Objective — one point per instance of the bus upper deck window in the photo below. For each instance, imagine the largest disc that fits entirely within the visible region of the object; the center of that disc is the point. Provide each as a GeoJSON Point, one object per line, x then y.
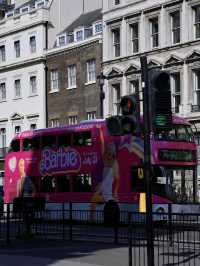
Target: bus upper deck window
{"type": "Point", "coordinates": [82, 138]}
{"type": "Point", "coordinates": [64, 140]}
{"type": "Point", "coordinates": [31, 144]}
{"type": "Point", "coordinates": [49, 141]}
{"type": "Point", "coordinates": [15, 145]}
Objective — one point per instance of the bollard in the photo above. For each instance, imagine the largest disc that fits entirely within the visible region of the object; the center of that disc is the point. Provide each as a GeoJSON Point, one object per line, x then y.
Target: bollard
{"type": "Point", "coordinates": [116, 231]}
{"type": "Point", "coordinates": [8, 225]}
{"type": "Point", "coordinates": [130, 255]}
{"type": "Point", "coordinates": [63, 220]}
{"type": "Point", "coordinates": [70, 220]}
{"type": "Point", "coordinates": [170, 224]}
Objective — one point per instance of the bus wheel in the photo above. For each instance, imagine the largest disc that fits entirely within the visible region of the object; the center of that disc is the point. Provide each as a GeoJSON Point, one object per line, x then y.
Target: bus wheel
{"type": "Point", "coordinates": [111, 213]}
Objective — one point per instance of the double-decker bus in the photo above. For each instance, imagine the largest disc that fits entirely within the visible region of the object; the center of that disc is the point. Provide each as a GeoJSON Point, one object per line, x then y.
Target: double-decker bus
{"type": "Point", "coordinates": [83, 163]}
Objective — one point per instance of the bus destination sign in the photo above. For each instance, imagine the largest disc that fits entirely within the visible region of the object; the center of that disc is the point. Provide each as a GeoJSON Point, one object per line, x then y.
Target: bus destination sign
{"type": "Point", "coordinates": [177, 155]}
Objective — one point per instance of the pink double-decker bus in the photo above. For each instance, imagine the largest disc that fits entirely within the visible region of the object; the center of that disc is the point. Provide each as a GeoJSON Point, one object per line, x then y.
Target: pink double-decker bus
{"type": "Point", "coordinates": [82, 163]}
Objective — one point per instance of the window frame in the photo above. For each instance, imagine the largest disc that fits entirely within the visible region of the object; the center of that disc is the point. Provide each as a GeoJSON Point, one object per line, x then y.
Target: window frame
{"type": "Point", "coordinates": [196, 22]}
{"type": "Point", "coordinates": [91, 70]}
{"type": "Point", "coordinates": [196, 88]}
{"type": "Point", "coordinates": [116, 41]}
{"type": "Point", "coordinates": [2, 92]}
{"type": "Point", "coordinates": [17, 86]}
{"type": "Point", "coordinates": [61, 43]}
{"type": "Point", "coordinates": [134, 39]}
{"type": "Point", "coordinates": [175, 29]}
{"type": "Point", "coordinates": [2, 53]}
{"type": "Point", "coordinates": [3, 137]}
{"type": "Point", "coordinates": [176, 94]}
{"type": "Point", "coordinates": [116, 2]}
{"type": "Point", "coordinates": [72, 119]}
{"type": "Point", "coordinates": [98, 27]}
{"type": "Point", "coordinates": [91, 115]}
{"type": "Point", "coordinates": [71, 76]}
{"type": "Point", "coordinates": [17, 49]}
{"type": "Point", "coordinates": [55, 122]}
{"type": "Point", "coordinates": [16, 129]}
{"type": "Point", "coordinates": [54, 77]}
{"type": "Point", "coordinates": [154, 36]}
{"type": "Point", "coordinates": [81, 37]}
{"type": "Point", "coordinates": [116, 97]}
{"type": "Point", "coordinates": [33, 46]}
{"type": "Point", "coordinates": [32, 92]}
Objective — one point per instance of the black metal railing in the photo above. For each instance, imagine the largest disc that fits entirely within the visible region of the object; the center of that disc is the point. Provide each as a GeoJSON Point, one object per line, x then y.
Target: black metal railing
{"type": "Point", "coordinates": [3, 152]}
{"type": "Point", "coordinates": [176, 235]}
{"type": "Point", "coordinates": [195, 108]}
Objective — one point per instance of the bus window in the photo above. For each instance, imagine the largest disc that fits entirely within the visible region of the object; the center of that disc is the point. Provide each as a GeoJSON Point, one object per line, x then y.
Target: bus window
{"type": "Point", "coordinates": [176, 133]}
{"type": "Point", "coordinates": [82, 183]}
{"type": "Point", "coordinates": [63, 183]}
{"type": "Point", "coordinates": [190, 134]}
{"type": "Point", "coordinates": [82, 138]}
{"type": "Point", "coordinates": [31, 144]}
{"type": "Point", "coordinates": [49, 141]}
{"type": "Point", "coordinates": [64, 140]}
{"type": "Point", "coordinates": [48, 184]}
{"type": "Point", "coordinates": [181, 133]}
{"type": "Point", "coordinates": [15, 146]}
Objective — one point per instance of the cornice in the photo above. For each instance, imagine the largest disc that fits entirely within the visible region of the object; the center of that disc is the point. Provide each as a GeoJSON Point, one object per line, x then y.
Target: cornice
{"type": "Point", "coordinates": [22, 64]}
{"type": "Point", "coordinates": [3, 35]}
{"type": "Point", "coordinates": [74, 46]}
{"type": "Point", "coordinates": [151, 52]}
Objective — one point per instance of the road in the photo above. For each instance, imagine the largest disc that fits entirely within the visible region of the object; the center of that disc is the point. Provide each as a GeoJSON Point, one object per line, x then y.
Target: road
{"type": "Point", "coordinates": [59, 253]}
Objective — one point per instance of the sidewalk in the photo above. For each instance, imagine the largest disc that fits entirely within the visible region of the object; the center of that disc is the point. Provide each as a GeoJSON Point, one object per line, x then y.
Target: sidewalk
{"type": "Point", "coordinates": [59, 253]}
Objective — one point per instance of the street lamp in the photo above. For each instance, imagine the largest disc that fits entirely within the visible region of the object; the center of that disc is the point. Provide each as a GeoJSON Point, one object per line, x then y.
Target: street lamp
{"type": "Point", "coordinates": [101, 78]}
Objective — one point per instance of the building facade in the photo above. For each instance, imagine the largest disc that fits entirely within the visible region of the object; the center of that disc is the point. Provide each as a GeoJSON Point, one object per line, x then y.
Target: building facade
{"type": "Point", "coordinates": [27, 30]}
{"type": "Point", "coordinates": [168, 33]}
{"type": "Point", "coordinates": [22, 72]}
{"type": "Point", "coordinates": [73, 67]}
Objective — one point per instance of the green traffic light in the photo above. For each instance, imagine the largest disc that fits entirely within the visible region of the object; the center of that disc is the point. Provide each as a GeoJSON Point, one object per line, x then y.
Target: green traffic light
{"type": "Point", "coordinates": [161, 120]}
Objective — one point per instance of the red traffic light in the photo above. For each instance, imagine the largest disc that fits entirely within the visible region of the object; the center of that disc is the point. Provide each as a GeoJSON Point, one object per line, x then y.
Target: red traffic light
{"type": "Point", "coordinates": [128, 104]}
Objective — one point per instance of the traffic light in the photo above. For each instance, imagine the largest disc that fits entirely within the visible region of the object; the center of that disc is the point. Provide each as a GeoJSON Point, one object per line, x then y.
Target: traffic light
{"type": "Point", "coordinates": [128, 122]}
{"type": "Point", "coordinates": [160, 99]}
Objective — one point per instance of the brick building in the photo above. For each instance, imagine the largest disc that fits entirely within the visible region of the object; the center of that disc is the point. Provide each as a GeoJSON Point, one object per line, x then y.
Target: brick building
{"type": "Point", "coordinates": [73, 67]}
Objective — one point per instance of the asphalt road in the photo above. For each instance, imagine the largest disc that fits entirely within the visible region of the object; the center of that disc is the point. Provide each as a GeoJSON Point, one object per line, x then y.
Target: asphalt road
{"type": "Point", "coordinates": [59, 253]}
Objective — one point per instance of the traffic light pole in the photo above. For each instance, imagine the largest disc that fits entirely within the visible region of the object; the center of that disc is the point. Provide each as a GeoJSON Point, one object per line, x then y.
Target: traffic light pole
{"type": "Point", "coordinates": [147, 160]}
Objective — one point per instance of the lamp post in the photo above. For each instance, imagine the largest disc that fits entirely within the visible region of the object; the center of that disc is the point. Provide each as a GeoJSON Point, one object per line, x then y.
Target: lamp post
{"type": "Point", "coordinates": [101, 78]}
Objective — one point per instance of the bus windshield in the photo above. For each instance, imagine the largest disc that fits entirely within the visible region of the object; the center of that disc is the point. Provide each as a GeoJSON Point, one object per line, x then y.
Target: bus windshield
{"type": "Point", "coordinates": [178, 132]}
{"type": "Point", "coordinates": [175, 184]}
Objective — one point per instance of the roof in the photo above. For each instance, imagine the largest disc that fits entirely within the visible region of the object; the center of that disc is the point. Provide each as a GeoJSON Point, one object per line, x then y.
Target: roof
{"type": "Point", "coordinates": [85, 19]}
{"type": "Point", "coordinates": [28, 2]}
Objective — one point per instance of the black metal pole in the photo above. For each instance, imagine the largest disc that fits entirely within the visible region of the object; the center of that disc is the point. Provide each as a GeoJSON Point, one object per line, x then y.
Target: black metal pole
{"type": "Point", "coordinates": [46, 75]}
{"type": "Point", "coordinates": [102, 97]}
{"type": "Point", "coordinates": [147, 159]}
{"type": "Point", "coordinates": [130, 255]}
{"type": "Point", "coordinates": [195, 199]}
{"type": "Point", "coordinates": [46, 94]}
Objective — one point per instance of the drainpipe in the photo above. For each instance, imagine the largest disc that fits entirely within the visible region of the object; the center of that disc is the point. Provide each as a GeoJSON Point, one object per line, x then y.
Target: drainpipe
{"type": "Point", "coordinates": [46, 75]}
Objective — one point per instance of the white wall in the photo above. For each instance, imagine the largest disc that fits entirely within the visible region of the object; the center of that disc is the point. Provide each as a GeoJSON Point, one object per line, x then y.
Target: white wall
{"type": "Point", "coordinates": [26, 105]}
{"type": "Point", "coordinates": [25, 52]}
{"type": "Point", "coordinates": [64, 12]}
{"type": "Point", "coordinates": [31, 108]}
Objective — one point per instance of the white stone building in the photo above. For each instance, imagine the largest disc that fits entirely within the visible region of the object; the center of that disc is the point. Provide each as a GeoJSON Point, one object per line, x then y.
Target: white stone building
{"type": "Point", "coordinates": [168, 33]}
{"type": "Point", "coordinates": [22, 71]}
{"type": "Point", "coordinates": [26, 33]}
